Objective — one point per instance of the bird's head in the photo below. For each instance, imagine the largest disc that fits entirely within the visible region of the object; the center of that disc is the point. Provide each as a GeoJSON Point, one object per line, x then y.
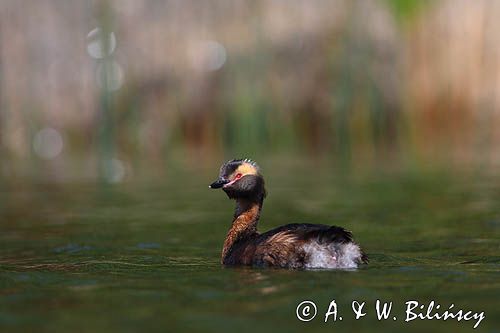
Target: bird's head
{"type": "Point", "coordinates": [241, 178]}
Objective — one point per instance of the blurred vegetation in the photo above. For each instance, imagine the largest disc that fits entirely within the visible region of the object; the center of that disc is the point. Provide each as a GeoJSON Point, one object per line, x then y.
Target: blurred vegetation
{"type": "Point", "coordinates": [124, 89]}
{"type": "Point", "coordinates": [406, 9]}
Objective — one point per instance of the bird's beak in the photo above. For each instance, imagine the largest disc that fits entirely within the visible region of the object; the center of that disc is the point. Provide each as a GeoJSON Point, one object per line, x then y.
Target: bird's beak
{"type": "Point", "coordinates": [218, 183]}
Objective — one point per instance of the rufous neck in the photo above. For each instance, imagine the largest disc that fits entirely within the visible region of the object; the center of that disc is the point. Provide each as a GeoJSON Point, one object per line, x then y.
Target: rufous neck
{"type": "Point", "coordinates": [246, 217]}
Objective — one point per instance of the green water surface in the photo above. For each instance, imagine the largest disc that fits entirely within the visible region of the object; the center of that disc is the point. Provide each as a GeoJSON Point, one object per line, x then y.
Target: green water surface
{"type": "Point", "coordinates": [83, 257]}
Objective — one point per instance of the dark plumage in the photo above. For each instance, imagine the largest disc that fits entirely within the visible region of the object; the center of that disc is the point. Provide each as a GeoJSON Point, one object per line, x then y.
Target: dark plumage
{"type": "Point", "coordinates": [289, 246]}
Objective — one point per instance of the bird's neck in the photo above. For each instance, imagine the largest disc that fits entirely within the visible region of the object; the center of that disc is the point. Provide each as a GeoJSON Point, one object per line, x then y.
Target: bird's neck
{"type": "Point", "coordinates": [246, 217]}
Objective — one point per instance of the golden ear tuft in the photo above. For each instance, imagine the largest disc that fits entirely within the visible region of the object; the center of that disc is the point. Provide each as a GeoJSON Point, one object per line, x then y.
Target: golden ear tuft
{"type": "Point", "coordinates": [248, 167]}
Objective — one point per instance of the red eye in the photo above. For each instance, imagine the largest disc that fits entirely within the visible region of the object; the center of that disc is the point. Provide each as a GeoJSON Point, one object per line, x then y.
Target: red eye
{"type": "Point", "coordinates": [238, 176]}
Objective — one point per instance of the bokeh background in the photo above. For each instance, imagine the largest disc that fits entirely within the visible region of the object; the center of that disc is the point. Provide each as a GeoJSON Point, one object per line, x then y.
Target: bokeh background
{"type": "Point", "coordinates": [121, 90]}
{"type": "Point", "coordinates": [379, 116]}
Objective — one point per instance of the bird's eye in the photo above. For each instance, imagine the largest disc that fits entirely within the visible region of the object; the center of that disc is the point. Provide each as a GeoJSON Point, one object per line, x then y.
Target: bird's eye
{"type": "Point", "coordinates": [238, 176]}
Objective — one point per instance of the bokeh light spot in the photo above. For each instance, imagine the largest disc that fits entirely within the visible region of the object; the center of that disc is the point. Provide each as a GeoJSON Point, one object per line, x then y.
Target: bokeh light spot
{"type": "Point", "coordinates": [208, 55]}
{"type": "Point", "coordinates": [98, 46]}
{"type": "Point", "coordinates": [48, 143]}
{"type": "Point", "coordinates": [110, 76]}
{"type": "Point", "coordinates": [114, 170]}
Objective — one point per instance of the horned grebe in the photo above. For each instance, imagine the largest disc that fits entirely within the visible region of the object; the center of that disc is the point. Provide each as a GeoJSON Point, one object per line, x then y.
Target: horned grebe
{"type": "Point", "coordinates": [290, 246]}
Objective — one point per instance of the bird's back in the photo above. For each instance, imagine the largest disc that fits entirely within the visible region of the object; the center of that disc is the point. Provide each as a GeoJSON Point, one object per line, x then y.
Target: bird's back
{"type": "Point", "coordinates": [300, 246]}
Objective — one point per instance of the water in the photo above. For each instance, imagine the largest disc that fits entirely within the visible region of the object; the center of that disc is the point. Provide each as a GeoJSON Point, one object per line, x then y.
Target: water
{"type": "Point", "coordinates": [130, 257]}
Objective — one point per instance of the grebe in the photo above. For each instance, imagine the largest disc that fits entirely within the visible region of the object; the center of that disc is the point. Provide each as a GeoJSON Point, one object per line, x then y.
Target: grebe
{"type": "Point", "coordinates": [290, 246]}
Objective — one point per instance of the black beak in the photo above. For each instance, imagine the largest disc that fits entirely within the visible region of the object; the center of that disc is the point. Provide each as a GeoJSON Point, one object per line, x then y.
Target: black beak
{"type": "Point", "coordinates": [218, 183]}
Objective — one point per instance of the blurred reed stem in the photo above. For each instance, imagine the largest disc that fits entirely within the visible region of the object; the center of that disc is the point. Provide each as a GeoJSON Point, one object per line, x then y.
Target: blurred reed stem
{"type": "Point", "coordinates": [105, 120]}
